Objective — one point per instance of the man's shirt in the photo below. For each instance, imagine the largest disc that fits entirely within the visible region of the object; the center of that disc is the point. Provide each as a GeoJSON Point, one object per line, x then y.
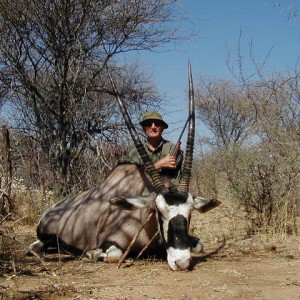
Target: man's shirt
{"type": "Point", "coordinates": [164, 149]}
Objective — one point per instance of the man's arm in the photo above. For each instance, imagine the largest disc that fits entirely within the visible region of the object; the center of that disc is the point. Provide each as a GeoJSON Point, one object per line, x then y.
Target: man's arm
{"type": "Point", "coordinates": [169, 161]}
{"type": "Point", "coordinates": [134, 157]}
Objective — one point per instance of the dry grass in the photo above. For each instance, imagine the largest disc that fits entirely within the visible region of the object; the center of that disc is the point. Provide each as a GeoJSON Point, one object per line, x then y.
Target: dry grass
{"type": "Point", "coordinates": [30, 203]}
{"type": "Point", "coordinates": [227, 223]}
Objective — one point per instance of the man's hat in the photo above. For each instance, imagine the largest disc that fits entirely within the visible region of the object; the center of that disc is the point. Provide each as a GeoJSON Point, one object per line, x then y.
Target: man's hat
{"type": "Point", "coordinates": [153, 115]}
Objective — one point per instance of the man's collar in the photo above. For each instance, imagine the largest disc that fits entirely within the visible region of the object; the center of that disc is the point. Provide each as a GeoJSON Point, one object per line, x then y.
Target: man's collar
{"type": "Point", "coordinates": [159, 145]}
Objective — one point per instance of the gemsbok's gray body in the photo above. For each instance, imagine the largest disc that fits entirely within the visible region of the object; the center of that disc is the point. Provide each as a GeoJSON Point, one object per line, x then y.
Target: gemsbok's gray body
{"type": "Point", "coordinates": [84, 222]}
{"type": "Point", "coordinates": [103, 221]}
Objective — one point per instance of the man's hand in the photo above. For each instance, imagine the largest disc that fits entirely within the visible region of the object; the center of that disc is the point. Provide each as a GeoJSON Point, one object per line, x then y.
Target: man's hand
{"type": "Point", "coordinates": [167, 162]}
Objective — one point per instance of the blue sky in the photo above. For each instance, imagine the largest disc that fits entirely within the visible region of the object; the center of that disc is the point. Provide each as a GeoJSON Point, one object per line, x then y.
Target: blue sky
{"type": "Point", "coordinates": [268, 24]}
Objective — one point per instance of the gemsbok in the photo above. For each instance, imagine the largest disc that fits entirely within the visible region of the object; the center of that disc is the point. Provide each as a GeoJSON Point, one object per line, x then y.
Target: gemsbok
{"type": "Point", "coordinates": [103, 221]}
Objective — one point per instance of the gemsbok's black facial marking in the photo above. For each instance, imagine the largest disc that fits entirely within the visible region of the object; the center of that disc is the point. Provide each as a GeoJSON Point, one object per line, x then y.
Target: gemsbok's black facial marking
{"type": "Point", "coordinates": [174, 197]}
{"type": "Point", "coordinates": [161, 226]}
{"type": "Point", "coordinates": [178, 237]}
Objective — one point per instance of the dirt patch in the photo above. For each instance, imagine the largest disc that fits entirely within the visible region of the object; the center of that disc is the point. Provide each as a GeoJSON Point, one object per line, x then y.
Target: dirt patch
{"type": "Point", "coordinates": [244, 277]}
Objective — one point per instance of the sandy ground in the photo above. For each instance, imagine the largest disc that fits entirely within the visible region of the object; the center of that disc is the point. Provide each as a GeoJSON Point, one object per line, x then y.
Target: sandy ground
{"type": "Point", "coordinates": [224, 273]}
{"type": "Point", "coordinates": [244, 267]}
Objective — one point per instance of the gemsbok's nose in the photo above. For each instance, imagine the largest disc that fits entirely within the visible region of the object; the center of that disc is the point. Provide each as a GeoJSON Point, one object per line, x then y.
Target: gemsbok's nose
{"type": "Point", "coordinates": [183, 264]}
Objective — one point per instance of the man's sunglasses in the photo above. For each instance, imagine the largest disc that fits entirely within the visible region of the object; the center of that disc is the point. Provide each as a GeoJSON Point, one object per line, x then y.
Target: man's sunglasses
{"type": "Point", "coordinates": [156, 123]}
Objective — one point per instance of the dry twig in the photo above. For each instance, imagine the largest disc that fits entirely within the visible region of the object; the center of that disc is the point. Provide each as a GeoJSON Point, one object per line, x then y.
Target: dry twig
{"type": "Point", "coordinates": [148, 244]}
{"type": "Point", "coordinates": [12, 237]}
{"type": "Point", "coordinates": [122, 258]}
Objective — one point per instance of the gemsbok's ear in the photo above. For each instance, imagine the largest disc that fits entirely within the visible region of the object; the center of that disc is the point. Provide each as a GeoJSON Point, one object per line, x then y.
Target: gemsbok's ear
{"type": "Point", "coordinates": [132, 203]}
{"type": "Point", "coordinates": [204, 205]}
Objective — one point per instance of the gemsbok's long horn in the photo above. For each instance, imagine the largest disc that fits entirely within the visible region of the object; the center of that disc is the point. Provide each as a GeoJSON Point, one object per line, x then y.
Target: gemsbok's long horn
{"type": "Point", "coordinates": [154, 175]}
{"type": "Point", "coordinates": [188, 161]}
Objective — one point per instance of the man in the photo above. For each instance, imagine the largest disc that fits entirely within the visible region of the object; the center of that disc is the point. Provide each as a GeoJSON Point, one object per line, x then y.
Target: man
{"type": "Point", "coordinates": [157, 148]}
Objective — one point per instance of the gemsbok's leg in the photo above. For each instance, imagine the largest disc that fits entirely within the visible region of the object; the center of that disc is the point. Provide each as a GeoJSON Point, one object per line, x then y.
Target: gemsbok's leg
{"type": "Point", "coordinates": [36, 246]}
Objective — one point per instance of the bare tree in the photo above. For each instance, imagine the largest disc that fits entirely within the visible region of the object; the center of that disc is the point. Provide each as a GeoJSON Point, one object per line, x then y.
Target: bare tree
{"type": "Point", "coordinates": [278, 102]}
{"type": "Point", "coordinates": [225, 109]}
{"type": "Point", "coordinates": [53, 56]}
{"type": "Point", "coordinates": [262, 176]}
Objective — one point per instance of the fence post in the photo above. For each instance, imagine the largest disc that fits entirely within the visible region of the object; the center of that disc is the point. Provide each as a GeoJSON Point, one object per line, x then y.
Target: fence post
{"type": "Point", "coordinates": [7, 170]}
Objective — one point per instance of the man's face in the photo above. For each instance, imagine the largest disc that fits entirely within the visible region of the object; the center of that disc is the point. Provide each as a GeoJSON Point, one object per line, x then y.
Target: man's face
{"type": "Point", "coordinates": [153, 128]}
